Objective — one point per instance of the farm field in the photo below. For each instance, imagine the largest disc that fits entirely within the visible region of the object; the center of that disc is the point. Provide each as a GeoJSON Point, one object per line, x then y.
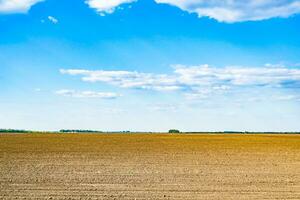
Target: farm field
{"type": "Point", "coordinates": [149, 166]}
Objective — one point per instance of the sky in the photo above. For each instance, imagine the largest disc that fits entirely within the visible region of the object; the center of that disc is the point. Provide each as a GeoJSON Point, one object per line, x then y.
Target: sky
{"type": "Point", "coordinates": [150, 65]}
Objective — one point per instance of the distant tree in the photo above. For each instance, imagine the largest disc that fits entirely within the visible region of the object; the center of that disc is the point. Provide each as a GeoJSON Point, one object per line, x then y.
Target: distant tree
{"type": "Point", "coordinates": [78, 131]}
{"type": "Point", "coordinates": [13, 131]}
{"type": "Point", "coordinates": [174, 131]}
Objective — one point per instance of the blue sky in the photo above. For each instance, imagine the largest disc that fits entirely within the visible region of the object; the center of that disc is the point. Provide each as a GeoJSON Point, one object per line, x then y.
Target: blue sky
{"type": "Point", "coordinates": [150, 65]}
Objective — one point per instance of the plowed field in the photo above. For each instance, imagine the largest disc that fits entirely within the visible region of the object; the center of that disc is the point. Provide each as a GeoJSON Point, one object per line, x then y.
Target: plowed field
{"type": "Point", "coordinates": [145, 166]}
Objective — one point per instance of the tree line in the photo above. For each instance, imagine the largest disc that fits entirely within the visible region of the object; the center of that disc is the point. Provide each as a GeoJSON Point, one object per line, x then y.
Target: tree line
{"type": "Point", "coordinates": [78, 131]}
{"type": "Point", "coordinates": [14, 131]}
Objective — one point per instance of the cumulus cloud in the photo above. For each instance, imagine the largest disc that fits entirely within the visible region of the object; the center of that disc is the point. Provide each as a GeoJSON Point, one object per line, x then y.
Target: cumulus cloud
{"type": "Point", "coordinates": [183, 76]}
{"type": "Point", "coordinates": [106, 6]}
{"type": "Point", "coordinates": [238, 76]}
{"type": "Point", "coordinates": [52, 19]}
{"type": "Point", "coordinates": [87, 94]}
{"type": "Point", "coordinates": [237, 10]}
{"type": "Point", "coordinates": [128, 79]}
{"type": "Point", "coordinates": [197, 82]}
{"type": "Point", "coordinates": [229, 11]}
{"type": "Point", "coordinates": [16, 6]}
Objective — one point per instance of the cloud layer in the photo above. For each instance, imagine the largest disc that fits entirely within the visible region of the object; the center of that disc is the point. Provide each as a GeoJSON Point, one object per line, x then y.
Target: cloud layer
{"type": "Point", "coordinates": [128, 79]}
{"type": "Point", "coordinates": [16, 6]}
{"type": "Point", "coordinates": [87, 94]}
{"type": "Point", "coordinates": [237, 10]}
{"type": "Point", "coordinates": [222, 10]}
{"type": "Point", "coordinates": [229, 11]}
{"type": "Point", "coordinates": [195, 81]}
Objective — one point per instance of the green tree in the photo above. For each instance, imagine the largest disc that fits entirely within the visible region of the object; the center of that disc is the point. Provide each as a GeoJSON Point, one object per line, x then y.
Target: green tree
{"type": "Point", "coordinates": [174, 131]}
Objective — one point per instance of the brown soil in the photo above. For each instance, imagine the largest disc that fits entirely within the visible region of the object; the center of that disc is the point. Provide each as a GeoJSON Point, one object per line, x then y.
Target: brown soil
{"type": "Point", "coordinates": [141, 166]}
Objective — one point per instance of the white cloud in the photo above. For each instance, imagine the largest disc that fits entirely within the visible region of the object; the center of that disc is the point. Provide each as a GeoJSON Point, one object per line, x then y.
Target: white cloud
{"type": "Point", "coordinates": [106, 6]}
{"type": "Point", "coordinates": [222, 10]}
{"type": "Point", "coordinates": [197, 82]}
{"type": "Point", "coordinates": [128, 79]}
{"type": "Point", "coordinates": [16, 6]}
{"type": "Point", "coordinates": [87, 94]}
{"type": "Point", "coordinates": [52, 19]}
{"type": "Point", "coordinates": [238, 76]}
{"type": "Point", "coordinates": [238, 10]}
{"type": "Point", "coordinates": [203, 75]}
